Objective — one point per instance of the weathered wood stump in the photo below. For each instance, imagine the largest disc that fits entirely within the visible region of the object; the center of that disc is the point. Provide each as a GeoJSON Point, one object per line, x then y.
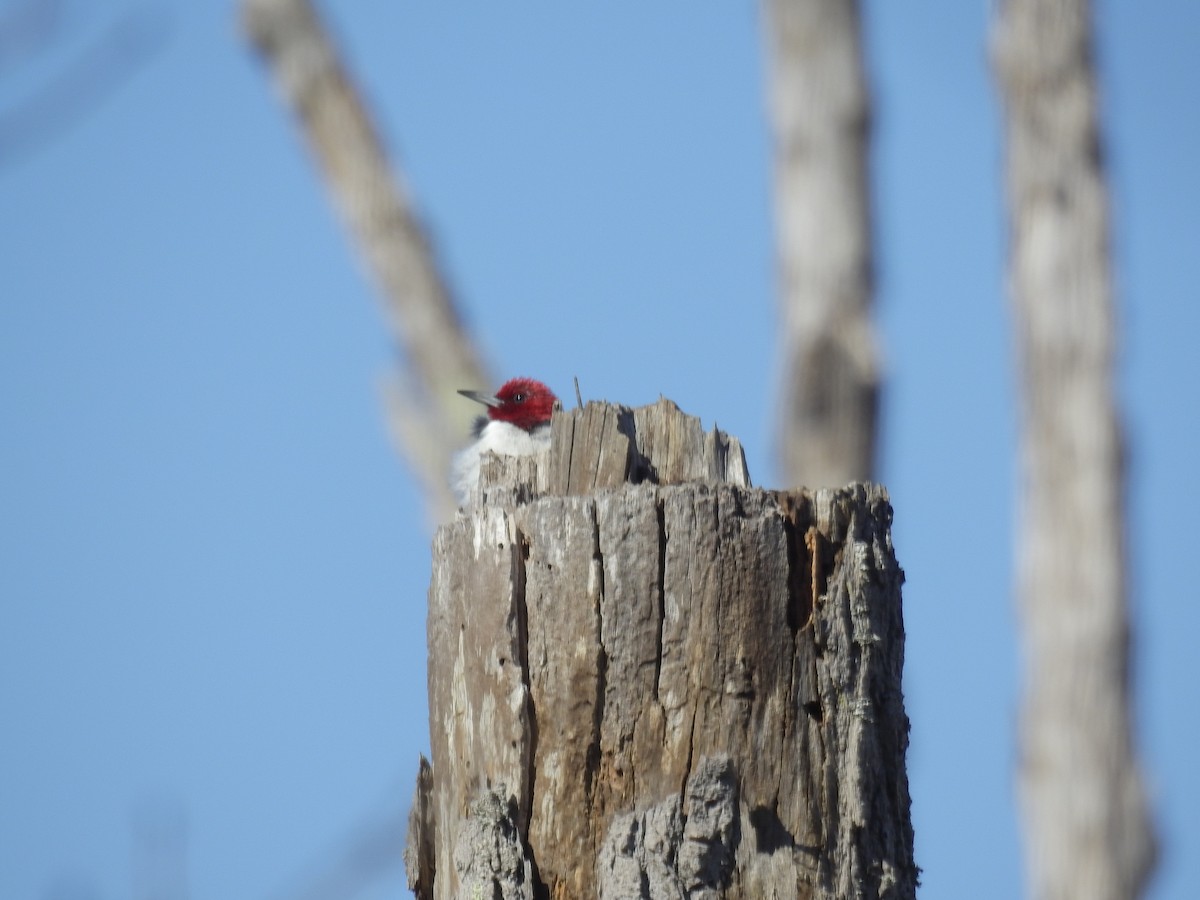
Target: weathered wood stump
{"type": "Point", "coordinates": [648, 679]}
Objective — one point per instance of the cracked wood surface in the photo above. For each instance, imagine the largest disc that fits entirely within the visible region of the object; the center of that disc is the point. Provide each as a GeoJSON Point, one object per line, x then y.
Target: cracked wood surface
{"type": "Point", "coordinates": [687, 689]}
{"type": "Point", "coordinates": [605, 445]}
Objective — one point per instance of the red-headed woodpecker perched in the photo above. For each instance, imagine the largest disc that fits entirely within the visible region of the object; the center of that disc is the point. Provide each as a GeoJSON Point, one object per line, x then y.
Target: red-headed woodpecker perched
{"type": "Point", "coordinates": [517, 424]}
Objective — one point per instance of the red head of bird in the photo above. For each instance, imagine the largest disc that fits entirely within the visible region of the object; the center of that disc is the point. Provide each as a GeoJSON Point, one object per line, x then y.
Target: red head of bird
{"type": "Point", "coordinates": [523, 402]}
{"type": "Point", "coordinates": [517, 424]}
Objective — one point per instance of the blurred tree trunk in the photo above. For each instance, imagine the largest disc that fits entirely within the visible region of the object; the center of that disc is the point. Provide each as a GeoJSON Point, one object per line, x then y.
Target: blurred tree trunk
{"type": "Point", "coordinates": [820, 116]}
{"type": "Point", "coordinates": [648, 686]}
{"type": "Point", "coordinates": [437, 353]}
{"type": "Point", "coordinates": [1087, 826]}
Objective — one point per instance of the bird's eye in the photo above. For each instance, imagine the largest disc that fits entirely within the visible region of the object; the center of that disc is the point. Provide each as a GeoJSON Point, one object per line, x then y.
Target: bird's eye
{"type": "Point", "coordinates": [518, 398]}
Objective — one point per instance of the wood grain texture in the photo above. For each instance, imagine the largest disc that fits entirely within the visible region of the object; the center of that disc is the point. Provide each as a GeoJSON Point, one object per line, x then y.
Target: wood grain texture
{"type": "Point", "coordinates": [691, 689]}
{"type": "Point", "coordinates": [606, 445]}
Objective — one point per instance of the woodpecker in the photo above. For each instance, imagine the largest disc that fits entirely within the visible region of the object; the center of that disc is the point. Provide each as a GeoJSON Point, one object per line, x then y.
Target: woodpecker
{"type": "Point", "coordinates": [517, 424]}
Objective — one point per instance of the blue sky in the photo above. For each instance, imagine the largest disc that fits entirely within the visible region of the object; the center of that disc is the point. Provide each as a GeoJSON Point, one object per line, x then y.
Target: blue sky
{"type": "Point", "coordinates": [212, 564]}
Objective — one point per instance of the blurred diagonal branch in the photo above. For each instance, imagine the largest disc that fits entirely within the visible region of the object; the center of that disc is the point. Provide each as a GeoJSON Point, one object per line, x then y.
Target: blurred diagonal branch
{"type": "Point", "coordinates": [27, 27]}
{"type": "Point", "coordinates": [438, 355]}
{"type": "Point", "coordinates": [820, 115]}
{"type": "Point", "coordinates": [92, 74]}
{"type": "Point", "coordinates": [1087, 821]}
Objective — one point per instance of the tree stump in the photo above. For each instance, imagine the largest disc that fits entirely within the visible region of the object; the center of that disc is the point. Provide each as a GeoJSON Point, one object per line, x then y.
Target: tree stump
{"type": "Point", "coordinates": [648, 679]}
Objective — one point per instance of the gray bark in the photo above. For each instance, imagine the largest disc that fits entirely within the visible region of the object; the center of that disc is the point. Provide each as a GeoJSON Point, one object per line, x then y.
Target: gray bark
{"type": "Point", "coordinates": [820, 118]}
{"type": "Point", "coordinates": [489, 855]}
{"type": "Point", "coordinates": [683, 686]}
{"type": "Point", "coordinates": [440, 357]}
{"type": "Point", "coordinates": [1087, 823]}
{"type": "Point", "coordinates": [679, 848]}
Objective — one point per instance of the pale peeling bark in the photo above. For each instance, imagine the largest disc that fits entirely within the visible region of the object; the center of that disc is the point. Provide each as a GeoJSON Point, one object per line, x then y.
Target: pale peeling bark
{"type": "Point", "coordinates": [829, 362]}
{"type": "Point", "coordinates": [1087, 824]}
{"type": "Point", "coordinates": [683, 690]}
{"type": "Point", "coordinates": [426, 415]}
